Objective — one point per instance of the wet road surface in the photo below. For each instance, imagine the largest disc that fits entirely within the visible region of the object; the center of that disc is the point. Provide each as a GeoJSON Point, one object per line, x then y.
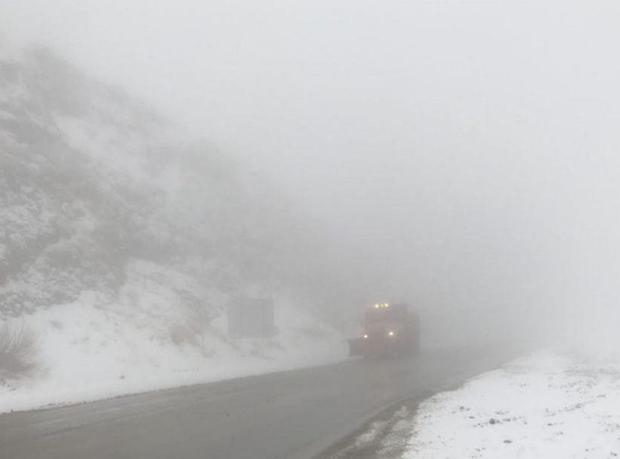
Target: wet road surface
{"type": "Point", "coordinates": [289, 415]}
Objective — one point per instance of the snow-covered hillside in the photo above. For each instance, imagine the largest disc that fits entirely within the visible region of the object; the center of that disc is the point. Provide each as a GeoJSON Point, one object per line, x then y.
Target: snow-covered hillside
{"type": "Point", "coordinates": [121, 246]}
{"type": "Point", "coordinates": [90, 349]}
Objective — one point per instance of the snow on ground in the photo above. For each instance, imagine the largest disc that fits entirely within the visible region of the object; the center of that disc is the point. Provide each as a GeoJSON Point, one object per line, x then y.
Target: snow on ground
{"type": "Point", "coordinates": [544, 406]}
{"type": "Point", "coordinates": [91, 349]}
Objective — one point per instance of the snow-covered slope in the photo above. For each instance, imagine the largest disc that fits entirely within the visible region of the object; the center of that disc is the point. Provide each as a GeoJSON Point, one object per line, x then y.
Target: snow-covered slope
{"type": "Point", "coordinates": [89, 350]}
{"type": "Point", "coordinates": [546, 405]}
{"type": "Point", "coordinates": [121, 246]}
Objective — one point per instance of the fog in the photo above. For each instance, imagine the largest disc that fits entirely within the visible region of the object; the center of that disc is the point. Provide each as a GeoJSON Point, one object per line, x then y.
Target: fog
{"type": "Point", "coordinates": [464, 154]}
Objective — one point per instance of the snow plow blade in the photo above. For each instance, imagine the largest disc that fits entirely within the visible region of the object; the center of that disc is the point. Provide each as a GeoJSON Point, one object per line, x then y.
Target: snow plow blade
{"type": "Point", "coordinates": [356, 347]}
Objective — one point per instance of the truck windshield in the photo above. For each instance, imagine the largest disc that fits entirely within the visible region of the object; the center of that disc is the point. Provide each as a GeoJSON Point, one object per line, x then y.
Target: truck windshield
{"type": "Point", "coordinates": [396, 312]}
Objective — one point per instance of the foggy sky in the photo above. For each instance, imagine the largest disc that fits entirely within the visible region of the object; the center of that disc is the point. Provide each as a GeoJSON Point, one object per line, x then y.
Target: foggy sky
{"type": "Point", "coordinates": [468, 148]}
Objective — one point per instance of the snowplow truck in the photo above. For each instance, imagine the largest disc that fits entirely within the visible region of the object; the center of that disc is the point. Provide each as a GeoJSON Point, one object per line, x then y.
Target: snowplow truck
{"type": "Point", "coordinates": [387, 330]}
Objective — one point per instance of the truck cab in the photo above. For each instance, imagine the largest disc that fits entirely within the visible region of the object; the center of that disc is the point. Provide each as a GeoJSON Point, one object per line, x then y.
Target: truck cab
{"type": "Point", "coordinates": [387, 329]}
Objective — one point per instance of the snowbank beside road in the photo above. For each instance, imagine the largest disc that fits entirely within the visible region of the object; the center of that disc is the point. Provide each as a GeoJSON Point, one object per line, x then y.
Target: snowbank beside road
{"type": "Point", "coordinates": [542, 406]}
{"type": "Point", "coordinates": [87, 350]}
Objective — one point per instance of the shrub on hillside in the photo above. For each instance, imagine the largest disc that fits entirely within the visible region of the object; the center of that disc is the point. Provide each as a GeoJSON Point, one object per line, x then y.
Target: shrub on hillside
{"type": "Point", "coordinates": [17, 349]}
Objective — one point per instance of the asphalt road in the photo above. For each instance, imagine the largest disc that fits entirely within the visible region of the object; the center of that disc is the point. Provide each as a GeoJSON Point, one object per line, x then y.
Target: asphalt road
{"type": "Point", "coordinates": [288, 415]}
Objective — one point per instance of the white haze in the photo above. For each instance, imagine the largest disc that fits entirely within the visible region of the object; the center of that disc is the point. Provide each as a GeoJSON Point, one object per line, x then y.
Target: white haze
{"type": "Point", "coordinates": [468, 150]}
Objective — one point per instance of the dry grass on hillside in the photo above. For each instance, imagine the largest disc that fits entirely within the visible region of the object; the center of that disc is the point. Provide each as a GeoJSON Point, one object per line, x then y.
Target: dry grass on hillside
{"type": "Point", "coordinates": [17, 349]}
